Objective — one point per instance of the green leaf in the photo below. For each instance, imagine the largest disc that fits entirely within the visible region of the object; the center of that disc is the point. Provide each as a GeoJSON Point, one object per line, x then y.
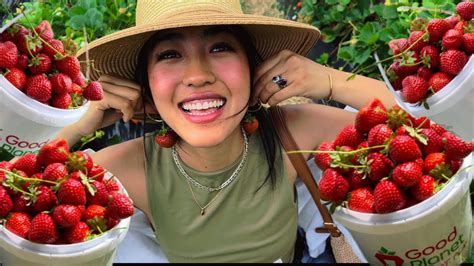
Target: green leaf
{"type": "Point", "coordinates": [76, 10]}
{"type": "Point", "coordinates": [346, 53]}
{"type": "Point", "coordinates": [94, 18]}
{"type": "Point", "coordinates": [369, 34]}
{"type": "Point", "coordinates": [331, 2]}
{"type": "Point", "coordinates": [78, 22]}
{"type": "Point", "coordinates": [390, 12]}
{"type": "Point", "coordinates": [363, 55]}
{"type": "Point", "coordinates": [345, 2]}
{"type": "Point", "coordinates": [323, 59]}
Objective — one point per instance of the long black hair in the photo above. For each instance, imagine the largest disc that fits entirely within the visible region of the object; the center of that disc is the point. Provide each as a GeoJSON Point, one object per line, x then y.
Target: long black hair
{"type": "Point", "coordinates": [266, 128]}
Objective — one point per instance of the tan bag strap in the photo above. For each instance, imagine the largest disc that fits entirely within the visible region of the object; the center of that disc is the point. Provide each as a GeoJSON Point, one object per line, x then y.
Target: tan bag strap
{"type": "Point", "coordinates": [303, 170]}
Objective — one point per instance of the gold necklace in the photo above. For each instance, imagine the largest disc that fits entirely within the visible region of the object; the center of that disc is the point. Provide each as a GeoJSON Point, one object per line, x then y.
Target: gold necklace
{"type": "Point", "coordinates": [203, 209]}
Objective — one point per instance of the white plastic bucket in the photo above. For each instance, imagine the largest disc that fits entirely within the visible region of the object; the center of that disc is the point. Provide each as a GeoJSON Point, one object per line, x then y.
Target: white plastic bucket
{"type": "Point", "coordinates": [26, 124]}
{"type": "Point", "coordinates": [436, 231]}
{"type": "Point", "coordinates": [452, 107]}
{"type": "Point", "coordinates": [17, 251]}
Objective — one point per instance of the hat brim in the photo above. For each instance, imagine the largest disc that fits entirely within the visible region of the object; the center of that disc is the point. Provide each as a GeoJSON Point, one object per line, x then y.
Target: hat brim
{"type": "Point", "coordinates": [117, 53]}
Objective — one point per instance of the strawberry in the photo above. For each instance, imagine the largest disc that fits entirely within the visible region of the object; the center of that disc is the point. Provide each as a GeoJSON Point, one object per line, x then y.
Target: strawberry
{"type": "Point", "coordinates": [397, 117]}
{"type": "Point", "coordinates": [166, 139]}
{"type": "Point", "coordinates": [456, 148]}
{"type": "Point", "coordinates": [19, 224]}
{"type": "Point", "coordinates": [28, 43]}
{"type": "Point", "coordinates": [97, 173]}
{"type": "Point", "coordinates": [388, 197]}
{"type": "Point", "coordinates": [379, 166]}
{"type": "Point", "coordinates": [21, 204]}
{"type": "Point", "coordinates": [17, 78]}
{"type": "Point", "coordinates": [418, 37]}
{"type": "Point", "coordinates": [22, 62]}
{"type": "Point", "coordinates": [94, 92]}
{"type": "Point", "coordinates": [468, 42]}
{"type": "Point", "coordinates": [8, 55]}
{"type": "Point", "coordinates": [43, 229]}
{"type": "Point", "coordinates": [5, 166]}
{"type": "Point", "coordinates": [420, 122]}
{"type": "Point", "coordinates": [45, 199]}
{"type": "Point", "coordinates": [72, 192]}
{"type": "Point", "coordinates": [437, 128]}
{"type": "Point", "coordinates": [39, 88]}
{"type": "Point", "coordinates": [452, 39]}
{"type": "Point", "coordinates": [323, 160]}
{"type": "Point", "coordinates": [101, 195]}
{"type": "Point", "coordinates": [333, 186]}
{"type": "Point", "coordinates": [403, 149]}
{"type": "Point", "coordinates": [55, 172]}
{"type": "Point", "coordinates": [61, 83]}
{"type": "Point", "coordinates": [112, 186]}
{"type": "Point", "coordinates": [53, 48]}
{"type": "Point", "coordinates": [379, 134]}
{"type": "Point", "coordinates": [424, 72]}
{"type": "Point", "coordinates": [27, 163]}
{"type": "Point", "coordinates": [6, 204]}
{"type": "Point", "coordinates": [439, 80]}
{"type": "Point", "coordinates": [452, 20]}
{"type": "Point", "coordinates": [409, 63]}
{"type": "Point", "coordinates": [120, 206]}
{"type": "Point", "coordinates": [68, 65]}
{"type": "Point", "coordinates": [56, 151]}
{"type": "Point", "coordinates": [79, 161]}
{"type": "Point", "coordinates": [436, 29]}
{"type": "Point", "coordinates": [94, 211]}
{"type": "Point", "coordinates": [454, 165]}
{"type": "Point", "coordinates": [362, 200]}
{"type": "Point", "coordinates": [414, 89]}
{"type": "Point", "coordinates": [39, 64]}
{"type": "Point", "coordinates": [370, 115]}
{"type": "Point", "coordinates": [348, 136]}
{"type": "Point", "coordinates": [78, 233]}
{"type": "Point", "coordinates": [424, 189]}
{"type": "Point", "coordinates": [398, 45]}
{"type": "Point", "coordinates": [67, 215]}
{"type": "Point", "coordinates": [465, 10]}
{"type": "Point", "coordinates": [452, 62]}
{"type": "Point", "coordinates": [460, 26]}
{"type": "Point", "coordinates": [434, 142]}
{"type": "Point", "coordinates": [357, 180]}
{"type": "Point", "coordinates": [250, 123]}
{"type": "Point", "coordinates": [407, 174]}
{"type": "Point", "coordinates": [433, 160]}
{"type": "Point", "coordinates": [44, 30]}
{"type": "Point", "coordinates": [80, 80]}
{"type": "Point", "coordinates": [61, 101]}
{"type": "Point", "coordinates": [430, 56]}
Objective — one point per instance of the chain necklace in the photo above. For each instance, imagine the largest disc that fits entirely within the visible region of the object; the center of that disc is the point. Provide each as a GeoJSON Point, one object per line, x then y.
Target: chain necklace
{"type": "Point", "coordinates": [203, 208]}
{"type": "Point", "coordinates": [223, 185]}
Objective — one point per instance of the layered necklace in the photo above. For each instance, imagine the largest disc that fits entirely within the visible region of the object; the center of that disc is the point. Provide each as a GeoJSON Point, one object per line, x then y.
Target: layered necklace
{"type": "Point", "coordinates": [192, 181]}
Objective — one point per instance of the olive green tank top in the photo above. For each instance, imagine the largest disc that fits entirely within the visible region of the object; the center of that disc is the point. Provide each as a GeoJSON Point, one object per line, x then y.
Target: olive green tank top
{"type": "Point", "coordinates": [240, 225]}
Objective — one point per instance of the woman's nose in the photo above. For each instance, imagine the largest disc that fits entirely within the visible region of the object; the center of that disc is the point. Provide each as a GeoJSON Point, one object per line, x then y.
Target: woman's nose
{"type": "Point", "coordinates": [198, 73]}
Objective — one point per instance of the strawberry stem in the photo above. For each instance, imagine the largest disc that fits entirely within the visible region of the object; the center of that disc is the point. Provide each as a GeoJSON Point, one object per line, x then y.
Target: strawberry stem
{"type": "Point", "coordinates": [338, 152]}
{"type": "Point", "coordinates": [28, 178]}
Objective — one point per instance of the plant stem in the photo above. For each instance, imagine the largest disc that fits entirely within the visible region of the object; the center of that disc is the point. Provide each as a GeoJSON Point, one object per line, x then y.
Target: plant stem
{"type": "Point", "coordinates": [338, 152]}
{"type": "Point", "coordinates": [28, 178]}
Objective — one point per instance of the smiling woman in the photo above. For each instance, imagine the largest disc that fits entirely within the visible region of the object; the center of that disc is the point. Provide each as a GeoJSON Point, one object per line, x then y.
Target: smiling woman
{"type": "Point", "coordinates": [219, 194]}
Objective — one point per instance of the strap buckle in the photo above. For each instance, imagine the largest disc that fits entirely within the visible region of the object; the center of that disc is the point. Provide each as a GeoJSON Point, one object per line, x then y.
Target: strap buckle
{"type": "Point", "coordinates": [329, 228]}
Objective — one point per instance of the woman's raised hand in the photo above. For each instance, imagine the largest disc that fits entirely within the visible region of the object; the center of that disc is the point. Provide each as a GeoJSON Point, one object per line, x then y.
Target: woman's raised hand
{"type": "Point", "coordinates": [303, 76]}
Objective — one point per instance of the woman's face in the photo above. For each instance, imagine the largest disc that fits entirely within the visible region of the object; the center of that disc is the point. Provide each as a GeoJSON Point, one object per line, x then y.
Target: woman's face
{"type": "Point", "coordinates": [199, 79]}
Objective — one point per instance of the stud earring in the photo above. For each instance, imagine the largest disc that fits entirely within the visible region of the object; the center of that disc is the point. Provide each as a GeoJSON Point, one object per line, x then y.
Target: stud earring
{"type": "Point", "coordinates": [165, 137]}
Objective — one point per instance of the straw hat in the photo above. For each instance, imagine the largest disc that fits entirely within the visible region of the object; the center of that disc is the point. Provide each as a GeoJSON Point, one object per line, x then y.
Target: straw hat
{"type": "Point", "coordinates": [117, 52]}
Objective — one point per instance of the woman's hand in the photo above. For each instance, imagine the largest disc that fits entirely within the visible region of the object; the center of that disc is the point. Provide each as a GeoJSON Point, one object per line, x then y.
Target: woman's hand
{"type": "Point", "coordinates": [304, 78]}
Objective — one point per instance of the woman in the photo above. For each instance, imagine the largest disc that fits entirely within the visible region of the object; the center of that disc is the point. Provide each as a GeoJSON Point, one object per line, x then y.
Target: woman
{"type": "Point", "coordinates": [218, 194]}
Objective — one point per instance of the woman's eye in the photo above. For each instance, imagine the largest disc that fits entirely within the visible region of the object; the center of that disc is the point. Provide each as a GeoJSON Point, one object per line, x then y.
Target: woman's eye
{"type": "Point", "coordinates": [167, 55]}
{"type": "Point", "coordinates": [221, 47]}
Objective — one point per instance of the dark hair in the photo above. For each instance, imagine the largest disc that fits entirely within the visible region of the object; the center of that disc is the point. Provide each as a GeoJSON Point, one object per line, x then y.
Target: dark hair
{"type": "Point", "coordinates": [266, 128]}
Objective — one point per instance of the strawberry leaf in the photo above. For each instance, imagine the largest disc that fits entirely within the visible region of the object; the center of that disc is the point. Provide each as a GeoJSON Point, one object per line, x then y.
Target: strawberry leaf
{"type": "Point", "coordinates": [87, 184]}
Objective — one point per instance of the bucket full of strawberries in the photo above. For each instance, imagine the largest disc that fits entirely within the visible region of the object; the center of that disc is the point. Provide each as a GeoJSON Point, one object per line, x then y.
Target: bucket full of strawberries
{"type": "Point", "coordinates": [400, 185]}
{"type": "Point", "coordinates": [60, 208]}
{"type": "Point", "coordinates": [41, 88]}
{"type": "Point", "coordinates": [431, 72]}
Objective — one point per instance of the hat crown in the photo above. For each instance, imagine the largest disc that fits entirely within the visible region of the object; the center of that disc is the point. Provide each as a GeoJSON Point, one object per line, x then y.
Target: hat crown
{"type": "Point", "coordinates": [153, 11]}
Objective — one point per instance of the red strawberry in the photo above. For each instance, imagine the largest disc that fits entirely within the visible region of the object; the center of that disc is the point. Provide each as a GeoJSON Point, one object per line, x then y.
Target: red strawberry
{"type": "Point", "coordinates": [72, 192]}
{"type": "Point", "coordinates": [22, 62]}
{"type": "Point", "coordinates": [388, 197]}
{"type": "Point", "coordinates": [452, 20]}
{"type": "Point", "coordinates": [407, 174]}
{"type": "Point", "coordinates": [94, 92]}
{"type": "Point", "coordinates": [397, 117]}
{"type": "Point", "coordinates": [5, 166]}
{"type": "Point", "coordinates": [167, 139]}
{"type": "Point", "coordinates": [8, 55]}
{"type": "Point", "coordinates": [424, 72]}
{"type": "Point", "coordinates": [39, 64]}
{"type": "Point", "coordinates": [362, 200]}
{"type": "Point", "coordinates": [432, 160]}
{"type": "Point", "coordinates": [456, 148]}
{"type": "Point", "coordinates": [424, 189]}
{"type": "Point", "coordinates": [39, 88]}
{"type": "Point", "coordinates": [452, 39]}
{"type": "Point", "coordinates": [61, 101]}
{"type": "Point", "coordinates": [43, 229]}
{"type": "Point", "coordinates": [21, 204]}
{"type": "Point", "coordinates": [53, 48]}
{"type": "Point", "coordinates": [78, 233]}
{"type": "Point", "coordinates": [379, 166]}
{"type": "Point", "coordinates": [112, 186]}
{"type": "Point", "coordinates": [437, 128]}
{"type": "Point", "coordinates": [45, 199]}
{"type": "Point", "coordinates": [378, 135]}
{"type": "Point", "coordinates": [97, 173]}
{"type": "Point", "coordinates": [44, 30]}
{"type": "Point", "coordinates": [323, 160]}
{"type": "Point", "coordinates": [27, 163]}
{"type": "Point", "coordinates": [410, 63]}
{"type": "Point", "coordinates": [420, 122]}
{"type": "Point", "coordinates": [454, 165]}
{"type": "Point", "coordinates": [55, 172]}
{"type": "Point", "coordinates": [76, 89]}
{"type": "Point", "coordinates": [120, 206]}
{"type": "Point", "coordinates": [398, 45]}
{"type": "Point", "coordinates": [101, 195]}
{"type": "Point", "coordinates": [430, 56]}
{"type": "Point", "coordinates": [348, 136]}
{"type": "Point", "coordinates": [403, 149]}
{"type": "Point", "coordinates": [357, 180]}
{"type": "Point", "coordinates": [56, 151]}
{"type": "Point", "coordinates": [414, 89]}
{"type": "Point", "coordinates": [19, 224]}
{"type": "Point", "coordinates": [79, 161]}
{"type": "Point", "coordinates": [69, 65]}
{"type": "Point", "coordinates": [112, 222]}
{"type": "Point", "coordinates": [436, 29]}
{"type": "Point", "coordinates": [420, 38]}
{"type": "Point", "coordinates": [67, 215]}
{"type": "Point", "coordinates": [465, 10]}
{"type": "Point", "coordinates": [28, 43]}
{"type": "Point", "coordinates": [452, 62]}
{"type": "Point", "coordinates": [370, 115]}
{"type": "Point", "coordinates": [250, 123]}
{"type": "Point", "coordinates": [468, 42]}
{"type": "Point", "coordinates": [434, 142]}
{"type": "Point", "coordinates": [6, 204]}
{"type": "Point", "coordinates": [333, 186]}
{"type": "Point", "coordinates": [94, 211]}
{"type": "Point", "coordinates": [439, 80]}
{"type": "Point", "coordinates": [61, 83]}
{"type": "Point", "coordinates": [80, 80]}
{"type": "Point", "coordinates": [17, 78]}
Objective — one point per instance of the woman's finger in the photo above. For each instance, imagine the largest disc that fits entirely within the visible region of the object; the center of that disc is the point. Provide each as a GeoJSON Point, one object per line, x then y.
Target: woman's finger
{"type": "Point", "coordinates": [270, 88]}
{"type": "Point", "coordinates": [265, 81]}
{"type": "Point", "coordinates": [124, 105]}
{"type": "Point", "coordinates": [129, 93]}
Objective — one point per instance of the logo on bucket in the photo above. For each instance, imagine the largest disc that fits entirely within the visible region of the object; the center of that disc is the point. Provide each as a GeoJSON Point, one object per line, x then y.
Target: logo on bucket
{"type": "Point", "coordinates": [18, 147]}
{"type": "Point", "coordinates": [446, 251]}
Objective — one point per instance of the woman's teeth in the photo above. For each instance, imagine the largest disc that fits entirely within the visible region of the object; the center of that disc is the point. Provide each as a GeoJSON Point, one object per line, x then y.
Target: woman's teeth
{"type": "Point", "coordinates": [202, 105]}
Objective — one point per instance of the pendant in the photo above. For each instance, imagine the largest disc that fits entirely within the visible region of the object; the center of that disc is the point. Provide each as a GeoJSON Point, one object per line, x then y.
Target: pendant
{"type": "Point", "coordinates": [202, 212]}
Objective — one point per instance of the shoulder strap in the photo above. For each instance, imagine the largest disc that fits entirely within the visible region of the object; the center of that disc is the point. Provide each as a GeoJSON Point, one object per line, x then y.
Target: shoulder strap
{"type": "Point", "coordinates": [302, 169]}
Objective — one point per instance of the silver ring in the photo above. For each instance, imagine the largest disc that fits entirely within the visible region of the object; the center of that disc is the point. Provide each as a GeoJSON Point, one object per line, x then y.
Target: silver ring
{"type": "Point", "coordinates": [280, 81]}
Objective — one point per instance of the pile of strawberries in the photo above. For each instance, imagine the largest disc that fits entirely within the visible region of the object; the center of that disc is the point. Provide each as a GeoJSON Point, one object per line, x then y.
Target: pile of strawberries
{"type": "Point", "coordinates": [59, 197]}
{"type": "Point", "coordinates": [434, 53]}
{"type": "Point", "coordinates": [388, 160]}
{"type": "Point", "coordinates": [41, 67]}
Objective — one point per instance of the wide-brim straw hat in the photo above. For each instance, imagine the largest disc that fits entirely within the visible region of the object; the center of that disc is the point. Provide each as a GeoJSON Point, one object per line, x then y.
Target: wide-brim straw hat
{"type": "Point", "coordinates": [117, 53]}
